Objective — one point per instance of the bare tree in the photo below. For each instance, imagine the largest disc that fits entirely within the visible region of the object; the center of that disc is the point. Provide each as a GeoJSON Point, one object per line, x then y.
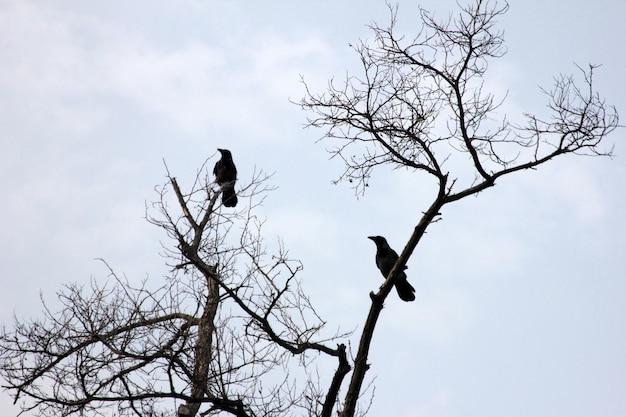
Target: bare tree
{"type": "Point", "coordinates": [221, 334]}
{"type": "Point", "coordinates": [421, 104]}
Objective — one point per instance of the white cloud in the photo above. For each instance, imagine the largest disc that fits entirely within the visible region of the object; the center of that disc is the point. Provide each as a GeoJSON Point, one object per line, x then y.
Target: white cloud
{"type": "Point", "coordinates": [198, 86]}
{"type": "Point", "coordinates": [439, 405]}
{"type": "Point", "coordinates": [442, 315]}
{"type": "Point", "coordinates": [306, 228]}
{"type": "Point", "coordinates": [574, 185]}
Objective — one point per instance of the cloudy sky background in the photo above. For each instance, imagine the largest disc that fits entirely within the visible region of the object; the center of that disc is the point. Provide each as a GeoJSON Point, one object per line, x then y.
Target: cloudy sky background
{"type": "Point", "coordinates": [521, 296]}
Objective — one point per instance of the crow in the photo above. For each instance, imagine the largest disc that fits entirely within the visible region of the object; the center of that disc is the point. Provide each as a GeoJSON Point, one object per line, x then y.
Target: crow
{"type": "Point", "coordinates": [225, 175]}
{"type": "Point", "coordinates": [385, 260]}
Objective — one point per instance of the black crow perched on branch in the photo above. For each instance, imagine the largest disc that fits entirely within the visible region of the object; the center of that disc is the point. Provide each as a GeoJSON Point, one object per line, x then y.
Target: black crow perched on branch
{"type": "Point", "coordinates": [385, 260]}
{"type": "Point", "coordinates": [225, 176]}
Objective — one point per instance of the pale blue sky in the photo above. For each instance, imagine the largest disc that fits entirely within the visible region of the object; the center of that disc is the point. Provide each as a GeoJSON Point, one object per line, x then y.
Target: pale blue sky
{"type": "Point", "coordinates": [521, 292]}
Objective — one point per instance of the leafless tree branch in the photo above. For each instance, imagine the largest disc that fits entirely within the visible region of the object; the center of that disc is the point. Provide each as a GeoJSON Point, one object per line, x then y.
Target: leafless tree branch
{"type": "Point", "coordinates": [421, 104]}
{"type": "Point", "coordinates": [216, 337]}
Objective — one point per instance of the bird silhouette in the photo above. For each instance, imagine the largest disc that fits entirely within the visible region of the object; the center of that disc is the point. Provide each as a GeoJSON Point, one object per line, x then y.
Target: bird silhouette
{"type": "Point", "coordinates": [385, 260]}
{"type": "Point", "coordinates": [225, 175]}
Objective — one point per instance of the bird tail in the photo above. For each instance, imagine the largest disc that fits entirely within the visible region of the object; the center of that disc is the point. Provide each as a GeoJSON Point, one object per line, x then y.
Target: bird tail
{"type": "Point", "coordinates": [229, 197]}
{"type": "Point", "coordinates": [406, 292]}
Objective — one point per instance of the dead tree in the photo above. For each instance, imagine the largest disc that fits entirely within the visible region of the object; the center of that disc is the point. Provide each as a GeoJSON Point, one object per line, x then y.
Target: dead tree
{"type": "Point", "coordinates": [229, 331]}
{"type": "Point", "coordinates": [219, 336]}
{"type": "Point", "coordinates": [421, 105]}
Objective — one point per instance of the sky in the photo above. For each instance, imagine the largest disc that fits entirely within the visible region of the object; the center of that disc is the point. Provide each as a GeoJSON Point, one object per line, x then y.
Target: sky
{"type": "Point", "coordinates": [521, 296]}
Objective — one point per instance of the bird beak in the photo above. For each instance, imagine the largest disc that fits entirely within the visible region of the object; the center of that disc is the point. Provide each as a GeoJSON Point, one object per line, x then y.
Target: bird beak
{"type": "Point", "coordinates": [371, 237]}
